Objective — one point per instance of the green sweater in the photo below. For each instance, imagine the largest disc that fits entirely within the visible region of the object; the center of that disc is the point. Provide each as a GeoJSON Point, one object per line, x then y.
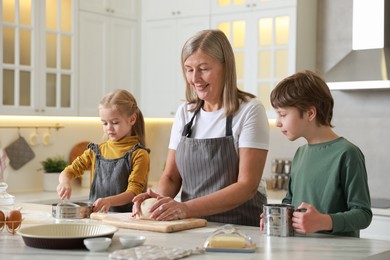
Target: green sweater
{"type": "Point", "coordinates": [332, 177]}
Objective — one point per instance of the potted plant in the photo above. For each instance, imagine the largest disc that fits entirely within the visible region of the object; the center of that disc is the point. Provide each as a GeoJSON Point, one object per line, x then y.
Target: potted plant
{"type": "Point", "coordinates": [52, 167]}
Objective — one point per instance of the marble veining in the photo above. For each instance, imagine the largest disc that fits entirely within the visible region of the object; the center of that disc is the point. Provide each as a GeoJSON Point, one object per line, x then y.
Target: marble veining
{"type": "Point", "coordinates": [299, 247]}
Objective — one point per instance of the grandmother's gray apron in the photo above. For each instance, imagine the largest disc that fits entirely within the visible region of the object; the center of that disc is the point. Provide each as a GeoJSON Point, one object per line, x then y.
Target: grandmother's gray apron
{"type": "Point", "coordinates": [208, 165]}
{"type": "Point", "coordinates": [111, 177]}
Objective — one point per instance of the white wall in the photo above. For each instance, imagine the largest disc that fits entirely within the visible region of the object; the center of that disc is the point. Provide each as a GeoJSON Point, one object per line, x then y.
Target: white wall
{"type": "Point", "coordinates": [30, 178]}
{"type": "Point", "coordinates": [363, 117]}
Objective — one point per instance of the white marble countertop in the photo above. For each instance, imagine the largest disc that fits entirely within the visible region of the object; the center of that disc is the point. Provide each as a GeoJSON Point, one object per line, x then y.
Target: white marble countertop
{"type": "Point", "coordinates": [48, 197]}
{"type": "Point", "coordinates": [291, 248]}
{"type": "Point", "coordinates": [81, 194]}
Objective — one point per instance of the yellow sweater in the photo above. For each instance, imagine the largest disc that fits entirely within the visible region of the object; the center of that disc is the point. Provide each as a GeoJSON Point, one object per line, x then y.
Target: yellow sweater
{"type": "Point", "coordinates": [140, 162]}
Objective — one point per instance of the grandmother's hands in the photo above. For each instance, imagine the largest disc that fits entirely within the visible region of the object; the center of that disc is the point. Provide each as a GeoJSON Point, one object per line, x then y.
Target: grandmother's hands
{"type": "Point", "coordinates": [167, 208]}
{"type": "Point", "coordinates": [164, 209]}
{"type": "Point", "coordinates": [137, 200]}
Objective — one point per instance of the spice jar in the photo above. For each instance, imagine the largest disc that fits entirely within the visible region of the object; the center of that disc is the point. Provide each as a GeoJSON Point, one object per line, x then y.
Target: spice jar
{"type": "Point", "coordinates": [280, 182]}
{"type": "Point", "coordinates": [285, 183]}
{"type": "Point", "coordinates": [287, 167]}
{"type": "Point", "coordinates": [274, 165]}
{"type": "Point", "coordinates": [280, 166]}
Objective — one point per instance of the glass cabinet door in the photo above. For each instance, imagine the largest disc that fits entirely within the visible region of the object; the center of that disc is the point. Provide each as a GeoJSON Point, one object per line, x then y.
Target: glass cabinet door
{"type": "Point", "coordinates": [58, 41]}
{"type": "Point", "coordinates": [18, 32]}
{"type": "Point", "coordinates": [263, 46]}
{"type": "Point", "coordinates": [37, 57]}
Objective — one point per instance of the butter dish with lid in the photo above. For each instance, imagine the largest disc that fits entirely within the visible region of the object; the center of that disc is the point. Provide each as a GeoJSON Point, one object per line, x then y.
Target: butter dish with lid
{"type": "Point", "coordinates": [229, 239]}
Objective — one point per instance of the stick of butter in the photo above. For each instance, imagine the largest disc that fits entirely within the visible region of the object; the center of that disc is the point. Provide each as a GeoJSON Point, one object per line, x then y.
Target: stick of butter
{"type": "Point", "coordinates": [227, 242]}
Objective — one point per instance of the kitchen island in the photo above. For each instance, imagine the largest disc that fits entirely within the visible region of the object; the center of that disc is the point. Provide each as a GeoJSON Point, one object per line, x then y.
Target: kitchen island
{"type": "Point", "coordinates": [299, 247]}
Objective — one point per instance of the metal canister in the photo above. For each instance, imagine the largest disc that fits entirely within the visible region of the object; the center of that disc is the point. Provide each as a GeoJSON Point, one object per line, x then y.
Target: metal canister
{"type": "Point", "coordinates": [67, 211]}
{"type": "Point", "coordinates": [278, 220]}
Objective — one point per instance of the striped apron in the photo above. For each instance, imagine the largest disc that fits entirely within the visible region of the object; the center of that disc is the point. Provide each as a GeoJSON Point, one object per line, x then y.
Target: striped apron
{"type": "Point", "coordinates": [111, 177]}
{"type": "Point", "coordinates": [208, 165]}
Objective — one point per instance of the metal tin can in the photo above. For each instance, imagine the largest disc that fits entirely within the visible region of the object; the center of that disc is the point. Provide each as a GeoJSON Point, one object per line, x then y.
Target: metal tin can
{"type": "Point", "coordinates": [83, 210]}
{"type": "Point", "coordinates": [278, 220]}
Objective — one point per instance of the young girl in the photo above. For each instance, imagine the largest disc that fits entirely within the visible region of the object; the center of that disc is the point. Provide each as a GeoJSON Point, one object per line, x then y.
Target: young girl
{"type": "Point", "coordinates": [120, 165]}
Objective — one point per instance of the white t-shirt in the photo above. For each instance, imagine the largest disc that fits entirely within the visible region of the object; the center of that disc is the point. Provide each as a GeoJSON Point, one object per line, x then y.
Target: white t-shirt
{"type": "Point", "coordinates": [250, 125]}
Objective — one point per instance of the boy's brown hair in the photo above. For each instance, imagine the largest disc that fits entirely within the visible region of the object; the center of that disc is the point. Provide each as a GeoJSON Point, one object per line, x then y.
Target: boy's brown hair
{"type": "Point", "coordinates": [303, 90]}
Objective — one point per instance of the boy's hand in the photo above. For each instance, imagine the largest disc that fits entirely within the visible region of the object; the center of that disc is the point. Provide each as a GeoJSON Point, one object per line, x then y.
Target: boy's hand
{"type": "Point", "coordinates": [262, 222]}
{"type": "Point", "coordinates": [310, 221]}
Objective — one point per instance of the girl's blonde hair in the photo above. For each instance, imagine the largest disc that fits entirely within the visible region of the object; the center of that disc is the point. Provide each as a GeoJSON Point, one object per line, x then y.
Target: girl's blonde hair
{"type": "Point", "coordinates": [123, 101]}
{"type": "Point", "coordinates": [215, 44]}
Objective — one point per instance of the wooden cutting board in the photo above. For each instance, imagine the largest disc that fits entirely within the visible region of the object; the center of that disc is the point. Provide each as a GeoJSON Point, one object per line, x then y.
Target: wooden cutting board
{"type": "Point", "coordinates": [124, 220]}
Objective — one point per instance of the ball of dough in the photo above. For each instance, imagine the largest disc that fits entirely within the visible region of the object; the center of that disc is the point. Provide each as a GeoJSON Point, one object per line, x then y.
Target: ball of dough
{"type": "Point", "coordinates": [145, 207]}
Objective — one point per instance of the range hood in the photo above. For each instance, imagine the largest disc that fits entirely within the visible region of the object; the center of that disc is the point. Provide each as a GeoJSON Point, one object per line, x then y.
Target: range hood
{"type": "Point", "coordinates": [359, 68]}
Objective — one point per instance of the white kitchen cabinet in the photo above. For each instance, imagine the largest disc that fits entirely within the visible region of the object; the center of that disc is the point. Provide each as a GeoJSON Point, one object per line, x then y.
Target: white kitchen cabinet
{"type": "Point", "coordinates": [108, 58]}
{"type": "Point", "coordinates": [236, 6]}
{"type": "Point", "coordinates": [128, 9]}
{"type": "Point", "coordinates": [163, 86]}
{"type": "Point", "coordinates": [39, 73]}
{"type": "Point", "coordinates": [271, 40]}
{"type": "Point", "coordinates": [378, 229]}
{"type": "Point", "coordinates": [169, 9]}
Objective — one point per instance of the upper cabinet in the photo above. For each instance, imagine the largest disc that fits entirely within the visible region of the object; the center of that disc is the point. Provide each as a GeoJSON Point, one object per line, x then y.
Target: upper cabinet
{"type": "Point", "coordinates": [237, 6]}
{"type": "Point", "coordinates": [271, 40]}
{"type": "Point", "coordinates": [163, 86]}
{"type": "Point", "coordinates": [59, 57]}
{"type": "Point", "coordinates": [168, 9]}
{"type": "Point", "coordinates": [108, 51]}
{"type": "Point", "coordinates": [38, 74]}
{"type": "Point", "coordinates": [120, 8]}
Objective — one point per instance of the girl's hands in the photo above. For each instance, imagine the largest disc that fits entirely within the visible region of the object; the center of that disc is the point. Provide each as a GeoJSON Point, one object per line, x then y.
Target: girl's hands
{"type": "Point", "coordinates": [64, 190]}
{"type": "Point", "coordinates": [311, 221]}
{"type": "Point", "coordinates": [165, 208]}
{"type": "Point", "coordinates": [101, 205]}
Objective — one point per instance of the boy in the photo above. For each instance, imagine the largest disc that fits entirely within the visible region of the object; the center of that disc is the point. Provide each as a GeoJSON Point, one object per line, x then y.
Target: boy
{"type": "Point", "coordinates": [328, 174]}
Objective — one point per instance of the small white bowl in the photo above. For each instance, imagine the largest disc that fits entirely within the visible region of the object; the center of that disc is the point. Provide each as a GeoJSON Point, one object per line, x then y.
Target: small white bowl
{"type": "Point", "coordinates": [131, 241]}
{"type": "Point", "coordinates": [97, 244]}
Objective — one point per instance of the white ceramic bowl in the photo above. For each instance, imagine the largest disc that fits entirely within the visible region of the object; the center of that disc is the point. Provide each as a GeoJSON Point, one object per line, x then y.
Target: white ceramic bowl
{"type": "Point", "coordinates": [131, 241]}
{"type": "Point", "coordinates": [97, 244]}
